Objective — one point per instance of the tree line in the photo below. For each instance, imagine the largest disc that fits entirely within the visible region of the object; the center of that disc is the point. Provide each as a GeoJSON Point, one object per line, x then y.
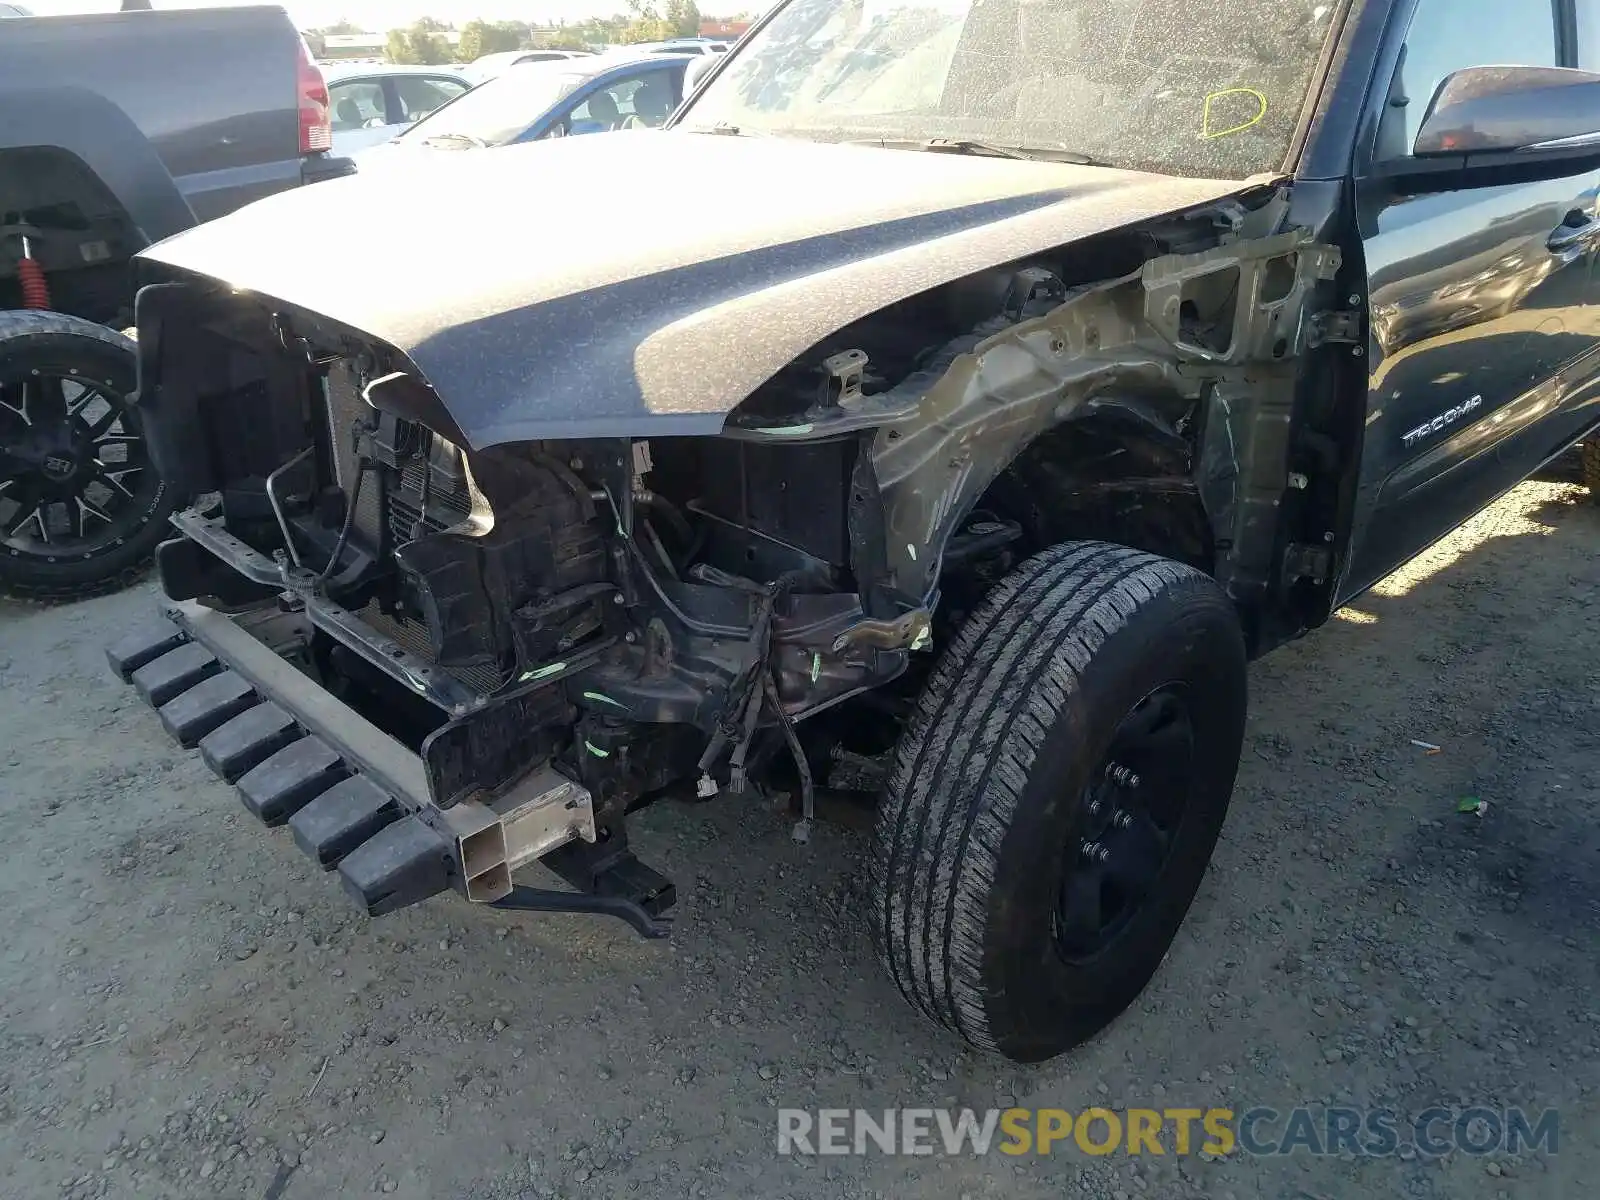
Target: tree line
{"type": "Point", "coordinates": [421, 43]}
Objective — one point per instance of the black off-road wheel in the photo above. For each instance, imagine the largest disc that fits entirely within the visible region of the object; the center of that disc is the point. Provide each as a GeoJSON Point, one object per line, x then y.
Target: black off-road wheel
{"type": "Point", "coordinates": [81, 507]}
{"type": "Point", "coordinates": [1057, 797]}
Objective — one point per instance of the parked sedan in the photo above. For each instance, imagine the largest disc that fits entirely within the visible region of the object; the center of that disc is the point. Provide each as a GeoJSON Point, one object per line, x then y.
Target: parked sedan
{"type": "Point", "coordinates": [373, 102]}
{"type": "Point", "coordinates": [543, 100]}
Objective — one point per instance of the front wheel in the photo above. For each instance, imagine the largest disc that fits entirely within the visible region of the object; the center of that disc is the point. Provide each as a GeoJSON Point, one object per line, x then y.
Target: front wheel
{"type": "Point", "coordinates": [1057, 797]}
{"type": "Point", "coordinates": [81, 507]}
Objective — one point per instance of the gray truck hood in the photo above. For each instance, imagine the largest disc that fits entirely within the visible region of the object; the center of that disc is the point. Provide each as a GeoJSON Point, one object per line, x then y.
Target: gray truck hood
{"type": "Point", "coordinates": [647, 282]}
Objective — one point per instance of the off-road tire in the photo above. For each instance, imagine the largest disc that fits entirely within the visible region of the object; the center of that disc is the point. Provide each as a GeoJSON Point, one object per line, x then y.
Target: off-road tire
{"type": "Point", "coordinates": [29, 336]}
{"type": "Point", "coordinates": [985, 795]}
{"type": "Point", "coordinates": [1589, 466]}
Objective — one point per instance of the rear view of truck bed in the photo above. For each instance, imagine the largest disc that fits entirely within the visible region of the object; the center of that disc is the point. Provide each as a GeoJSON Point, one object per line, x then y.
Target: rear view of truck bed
{"type": "Point", "coordinates": [219, 94]}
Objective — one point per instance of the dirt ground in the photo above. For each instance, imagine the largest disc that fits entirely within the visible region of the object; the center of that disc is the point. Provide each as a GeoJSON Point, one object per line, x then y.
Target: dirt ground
{"type": "Point", "coordinates": [188, 1008]}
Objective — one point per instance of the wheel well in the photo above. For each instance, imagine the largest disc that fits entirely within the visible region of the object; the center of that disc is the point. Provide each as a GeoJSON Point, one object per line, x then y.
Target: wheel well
{"type": "Point", "coordinates": [1118, 475]}
{"type": "Point", "coordinates": [84, 236]}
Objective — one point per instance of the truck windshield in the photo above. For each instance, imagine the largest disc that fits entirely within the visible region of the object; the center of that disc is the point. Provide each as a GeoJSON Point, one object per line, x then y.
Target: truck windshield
{"type": "Point", "coordinates": [1191, 87]}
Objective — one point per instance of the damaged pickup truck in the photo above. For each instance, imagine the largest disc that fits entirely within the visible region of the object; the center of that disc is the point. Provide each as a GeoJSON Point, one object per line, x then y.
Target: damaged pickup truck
{"type": "Point", "coordinates": [995, 380]}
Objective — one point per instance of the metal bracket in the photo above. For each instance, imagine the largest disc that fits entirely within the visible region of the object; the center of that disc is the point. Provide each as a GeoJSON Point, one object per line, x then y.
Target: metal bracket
{"type": "Point", "coordinates": [843, 375]}
{"type": "Point", "coordinates": [1026, 286]}
{"type": "Point", "coordinates": [911, 630]}
{"type": "Point", "coordinates": [1336, 327]}
{"type": "Point", "coordinates": [608, 880]}
{"type": "Point", "coordinates": [527, 899]}
{"type": "Point", "coordinates": [1305, 560]}
{"type": "Point", "coordinates": [541, 813]}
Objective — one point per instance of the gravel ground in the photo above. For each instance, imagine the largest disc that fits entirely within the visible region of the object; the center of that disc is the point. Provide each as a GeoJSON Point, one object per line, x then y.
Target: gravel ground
{"type": "Point", "coordinates": [187, 1007]}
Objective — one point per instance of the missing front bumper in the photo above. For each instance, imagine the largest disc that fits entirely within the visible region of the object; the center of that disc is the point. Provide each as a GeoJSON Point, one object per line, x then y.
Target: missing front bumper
{"type": "Point", "coordinates": [356, 800]}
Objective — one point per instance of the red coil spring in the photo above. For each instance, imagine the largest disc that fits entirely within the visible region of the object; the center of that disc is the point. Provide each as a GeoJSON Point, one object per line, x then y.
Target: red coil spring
{"type": "Point", "coordinates": [35, 291]}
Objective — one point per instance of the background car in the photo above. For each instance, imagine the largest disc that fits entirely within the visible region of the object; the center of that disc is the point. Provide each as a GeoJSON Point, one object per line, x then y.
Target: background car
{"type": "Point", "coordinates": [676, 46]}
{"type": "Point", "coordinates": [490, 65]}
{"type": "Point", "coordinates": [374, 102]}
{"type": "Point", "coordinates": [542, 100]}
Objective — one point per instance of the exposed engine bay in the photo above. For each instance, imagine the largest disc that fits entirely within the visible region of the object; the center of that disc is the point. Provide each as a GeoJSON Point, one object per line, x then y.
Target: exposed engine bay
{"type": "Point", "coordinates": [691, 615]}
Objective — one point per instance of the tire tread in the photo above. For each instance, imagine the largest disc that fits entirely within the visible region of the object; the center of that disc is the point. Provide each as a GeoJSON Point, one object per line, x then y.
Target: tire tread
{"type": "Point", "coordinates": [965, 758]}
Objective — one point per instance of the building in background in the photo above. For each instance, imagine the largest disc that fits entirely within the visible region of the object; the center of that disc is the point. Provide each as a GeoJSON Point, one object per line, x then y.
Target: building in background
{"type": "Point", "coordinates": [358, 47]}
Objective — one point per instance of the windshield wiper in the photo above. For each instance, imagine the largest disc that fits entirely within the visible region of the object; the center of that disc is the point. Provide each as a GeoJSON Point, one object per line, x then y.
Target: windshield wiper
{"type": "Point", "coordinates": [455, 139]}
{"type": "Point", "coordinates": [724, 129]}
{"type": "Point", "coordinates": [1055, 154]}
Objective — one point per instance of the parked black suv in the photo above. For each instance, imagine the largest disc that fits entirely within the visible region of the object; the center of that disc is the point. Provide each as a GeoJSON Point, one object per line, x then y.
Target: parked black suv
{"type": "Point", "coordinates": [992, 383]}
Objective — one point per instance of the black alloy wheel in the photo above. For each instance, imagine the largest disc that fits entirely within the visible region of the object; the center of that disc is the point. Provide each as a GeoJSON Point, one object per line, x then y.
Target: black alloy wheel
{"type": "Point", "coordinates": [75, 475]}
{"type": "Point", "coordinates": [81, 505]}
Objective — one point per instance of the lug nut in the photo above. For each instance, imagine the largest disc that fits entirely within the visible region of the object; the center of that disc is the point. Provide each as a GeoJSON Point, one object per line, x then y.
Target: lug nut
{"type": "Point", "coordinates": [1122, 819]}
{"type": "Point", "coordinates": [1122, 776]}
{"type": "Point", "coordinates": [1094, 852]}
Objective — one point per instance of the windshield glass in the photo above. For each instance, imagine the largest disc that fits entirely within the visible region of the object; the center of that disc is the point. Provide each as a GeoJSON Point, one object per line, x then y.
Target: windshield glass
{"type": "Point", "coordinates": [496, 112]}
{"type": "Point", "coordinates": [1191, 87]}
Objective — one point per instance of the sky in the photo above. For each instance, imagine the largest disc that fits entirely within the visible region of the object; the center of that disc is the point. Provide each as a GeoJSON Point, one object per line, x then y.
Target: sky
{"type": "Point", "coordinates": [385, 14]}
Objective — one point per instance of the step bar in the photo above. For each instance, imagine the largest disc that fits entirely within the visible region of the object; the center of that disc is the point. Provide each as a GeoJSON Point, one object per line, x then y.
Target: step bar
{"type": "Point", "coordinates": [356, 800]}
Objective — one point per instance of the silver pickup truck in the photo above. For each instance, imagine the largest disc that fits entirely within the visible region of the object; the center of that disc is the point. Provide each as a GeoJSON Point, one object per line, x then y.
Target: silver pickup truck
{"type": "Point", "coordinates": [118, 130]}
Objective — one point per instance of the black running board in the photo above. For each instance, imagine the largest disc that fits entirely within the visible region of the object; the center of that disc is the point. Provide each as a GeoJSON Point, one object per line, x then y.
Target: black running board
{"type": "Point", "coordinates": [357, 801]}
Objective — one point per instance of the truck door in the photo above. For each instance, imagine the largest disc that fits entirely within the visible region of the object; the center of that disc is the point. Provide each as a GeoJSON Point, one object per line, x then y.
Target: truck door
{"type": "Point", "coordinates": [1483, 346]}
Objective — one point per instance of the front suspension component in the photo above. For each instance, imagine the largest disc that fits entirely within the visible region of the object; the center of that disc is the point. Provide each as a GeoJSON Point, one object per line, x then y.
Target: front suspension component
{"type": "Point", "coordinates": [30, 272]}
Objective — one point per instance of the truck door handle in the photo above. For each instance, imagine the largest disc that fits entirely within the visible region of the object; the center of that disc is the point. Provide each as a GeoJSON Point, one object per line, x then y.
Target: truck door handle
{"type": "Point", "coordinates": [1577, 231]}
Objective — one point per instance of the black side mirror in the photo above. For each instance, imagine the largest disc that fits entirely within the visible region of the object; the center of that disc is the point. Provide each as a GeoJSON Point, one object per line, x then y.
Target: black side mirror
{"type": "Point", "coordinates": [1511, 109]}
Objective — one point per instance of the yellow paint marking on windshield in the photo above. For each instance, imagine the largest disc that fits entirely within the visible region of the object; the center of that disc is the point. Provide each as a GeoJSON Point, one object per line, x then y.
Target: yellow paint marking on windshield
{"type": "Point", "coordinates": [1208, 134]}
